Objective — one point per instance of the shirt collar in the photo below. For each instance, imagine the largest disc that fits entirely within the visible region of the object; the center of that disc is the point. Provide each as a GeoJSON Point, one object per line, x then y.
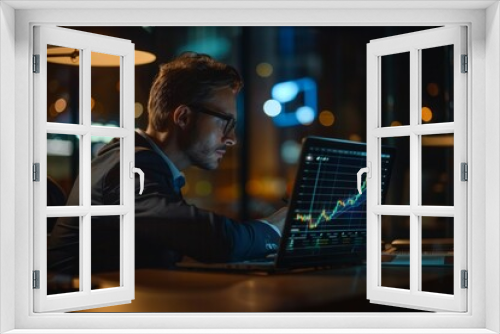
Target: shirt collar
{"type": "Point", "coordinates": [177, 176]}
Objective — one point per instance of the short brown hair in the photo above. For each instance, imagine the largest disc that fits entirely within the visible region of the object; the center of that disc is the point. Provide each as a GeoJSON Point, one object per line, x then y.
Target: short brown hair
{"type": "Point", "coordinates": [190, 79]}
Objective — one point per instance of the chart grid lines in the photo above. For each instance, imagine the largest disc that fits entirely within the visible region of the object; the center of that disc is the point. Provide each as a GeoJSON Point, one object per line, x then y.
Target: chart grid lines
{"type": "Point", "coordinates": [328, 214]}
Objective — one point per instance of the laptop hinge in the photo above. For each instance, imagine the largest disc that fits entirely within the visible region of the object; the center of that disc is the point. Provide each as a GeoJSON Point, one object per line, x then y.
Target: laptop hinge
{"type": "Point", "coordinates": [465, 279]}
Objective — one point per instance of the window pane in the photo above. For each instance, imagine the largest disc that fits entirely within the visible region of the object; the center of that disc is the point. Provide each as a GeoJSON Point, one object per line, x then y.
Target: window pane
{"type": "Point", "coordinates": [437, 254]}
{"type": "Point", "coordinates": [63, 167]}
{"type": "Point", "coordinates": [399, 186]}
{"type": "Point", "coordinates": [106, 245]}
{"type": "Point", "coordinates": [395, 94]}
{"type": "Point", "coordinates": [395, 232]}
{"type": "Point", "coordinates": [63, 257]}
{"type": "Point", "coordinates": [437, 84]}
{"type": "Point", "coordinates": [437, 170]}
{"type": "Point", "coordinates": [105, 90]}
{"type": "Point", "coordinates": [63, 85]}
{"type": "Point", "coordinates": [106, 171]}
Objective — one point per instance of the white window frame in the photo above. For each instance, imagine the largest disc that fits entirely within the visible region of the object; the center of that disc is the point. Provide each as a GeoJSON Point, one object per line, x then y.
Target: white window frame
{"type": "Point", "coordinates": [16, 21]}
{"type": "Point", "coordinates": [413, 44]}
{"type": "Point", "coordinates": [87, 43]}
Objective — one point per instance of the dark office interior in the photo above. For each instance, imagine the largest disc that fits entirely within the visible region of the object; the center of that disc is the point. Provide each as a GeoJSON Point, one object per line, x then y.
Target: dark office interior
{"type": "Point", "coordinates": [260, 170]}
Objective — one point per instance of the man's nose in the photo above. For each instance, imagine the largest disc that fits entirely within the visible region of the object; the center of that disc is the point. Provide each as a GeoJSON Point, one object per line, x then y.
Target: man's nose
{"type": "Point", "coordinates": [230, 138]}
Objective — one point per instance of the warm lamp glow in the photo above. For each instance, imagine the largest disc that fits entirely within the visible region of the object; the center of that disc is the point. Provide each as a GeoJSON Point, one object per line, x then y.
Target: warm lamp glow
{"type": "Point", "coordinates": [264, 70]}
{"type": "Point", "coordinates": [433, 89]}
{"type": "Point", "coordinates": [68, 56]}
{"type": "Point", "coordinates": [60, 105]}
{"type": "Point", "coordinates": [326, 118]}
{"type": "Point", "coordinates": [426, 114]}
{"type": "Point", "coordinates": [354, 137]}
{"type": "Point", "coordinates": [440, 140]}
{"type": "Point", "coordinates": [203, 188]}
{"type": "Point", "coordinates": [139, 109]}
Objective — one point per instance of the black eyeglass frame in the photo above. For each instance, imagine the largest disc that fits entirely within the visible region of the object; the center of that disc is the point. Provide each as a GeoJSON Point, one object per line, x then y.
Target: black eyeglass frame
{"type": "Point", "coordinates": [230, 120]}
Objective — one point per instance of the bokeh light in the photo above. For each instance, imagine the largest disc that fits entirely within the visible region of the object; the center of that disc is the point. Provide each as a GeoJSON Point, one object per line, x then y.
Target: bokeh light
{"type": "Point", "coordinates": [326, 118]}
{"type": "Point", "coordinates": [285, 91]}
{"type": "Point", "coordinates": [264, 70]}
{"type": "Point", "coordinates": [203, 188]}
{"type": "Point", "coordinates": [139, 109]}
{"type": "Point", "coordinates": [60, 105]}
{"type": "Point", "coordinates": [426, 114]}
{"type": "Point", "coordinates": [290, 151]}
{"type": "Point", "coordinates": [272, 108]}
{"type": "Point", "coordinates": [433, 89]}
{"type": "Point", "coordinates": [254, 187]}
{"type": "Point", "coordinates": [305, 115]}
{"type": "Point", "coordinates": [355, 137]}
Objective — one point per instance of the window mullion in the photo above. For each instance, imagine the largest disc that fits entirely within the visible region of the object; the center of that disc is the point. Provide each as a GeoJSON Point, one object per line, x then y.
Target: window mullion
{"type": "Point", "coordinates": [415, 170]}
{"type": "Point", "coordinates": [85, 178]}
{"type": "Point", "coordinates": [108, 210]}
{"type": "Point", "coordinates": [66, 211]}
{"type": "Point", "coordinates": [127, 181]}
{"type": "Point", "coordinates": [460, 155]}
{"type": "Point", "coordinates": [107, 131]}
{"type": "Point", "coordinates": [66, 129]}
{"type": "Point", "coordinates": [40, 156]}
{"type": "Point", "coordinates": [85, 253]}
{"type": "Point", "coordinates": [420, 129]}
{"type": "Point", "coordinates": [123, 166]}
{"type": "Point", "coordinates": [392, 210]}
{"type": "Point", "coordinates": [433, 129]}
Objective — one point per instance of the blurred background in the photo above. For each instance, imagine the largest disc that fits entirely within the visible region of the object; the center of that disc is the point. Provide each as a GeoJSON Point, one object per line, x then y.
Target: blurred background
{"type": "Point", "coordinates": [299, 81]}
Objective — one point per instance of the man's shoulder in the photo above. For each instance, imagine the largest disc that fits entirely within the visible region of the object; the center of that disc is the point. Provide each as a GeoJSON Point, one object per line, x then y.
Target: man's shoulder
{"type": "Point", "coordinates": [144, 155]}
{"type": "Point", "coordinates": [147, 157]}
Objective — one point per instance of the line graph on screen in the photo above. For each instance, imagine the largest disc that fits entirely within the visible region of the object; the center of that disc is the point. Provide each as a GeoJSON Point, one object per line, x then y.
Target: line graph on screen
{"type": "Point", "coordinates": [328, 199]}
{"type": "Point", "coordinates": [328, 215]}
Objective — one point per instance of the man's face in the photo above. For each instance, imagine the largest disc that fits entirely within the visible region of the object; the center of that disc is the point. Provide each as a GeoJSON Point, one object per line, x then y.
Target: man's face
{"type": "Point", "coordinates": [205, 140]}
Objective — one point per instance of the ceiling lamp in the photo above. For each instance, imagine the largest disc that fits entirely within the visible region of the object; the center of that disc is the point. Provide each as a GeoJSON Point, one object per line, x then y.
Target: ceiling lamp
{"type": "Point", "coordinates": [69, 56]}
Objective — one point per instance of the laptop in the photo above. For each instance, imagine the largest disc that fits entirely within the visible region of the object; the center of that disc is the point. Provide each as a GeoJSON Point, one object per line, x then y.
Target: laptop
{"type": "Point", "coordinates": [435, 252]}
{"type": "Point", "coordinates": [326, 221]}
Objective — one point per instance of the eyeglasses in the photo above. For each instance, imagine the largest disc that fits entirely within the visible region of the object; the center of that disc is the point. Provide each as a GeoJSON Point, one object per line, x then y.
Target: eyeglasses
{"type": "Point", "coordinates": [230, 120]}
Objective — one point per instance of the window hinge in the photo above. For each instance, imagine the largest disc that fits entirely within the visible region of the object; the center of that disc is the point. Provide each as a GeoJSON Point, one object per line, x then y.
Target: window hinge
{"type": "Point", "coordinates": [36, 172]}
{"type": "Point", "coordinates": [36, 279]}
{"type": "Point", "coordinates": [465, 279]}
{"type": "Point", "coordinates": [465, 64]}
{"type": "Point", "coordinates": [36, 63]}
{"type": "Point", "coordinates": [464, 171]}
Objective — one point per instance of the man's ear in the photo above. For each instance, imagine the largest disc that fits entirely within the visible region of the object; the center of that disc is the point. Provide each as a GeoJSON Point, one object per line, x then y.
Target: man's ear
{"type": "Point", "coordinates": [182, 116]}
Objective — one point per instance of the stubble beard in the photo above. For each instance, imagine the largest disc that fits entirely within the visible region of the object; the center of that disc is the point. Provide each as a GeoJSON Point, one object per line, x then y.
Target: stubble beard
{"type": "Point", "coordinates": [198, 153]}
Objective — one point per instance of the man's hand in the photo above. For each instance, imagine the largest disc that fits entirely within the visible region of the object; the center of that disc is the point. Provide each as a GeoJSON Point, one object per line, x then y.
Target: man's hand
{"type": "Point", "coordinates": [278, 218]}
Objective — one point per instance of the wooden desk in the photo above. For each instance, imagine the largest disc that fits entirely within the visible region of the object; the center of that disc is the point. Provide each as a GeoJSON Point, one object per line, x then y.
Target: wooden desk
{"type": "Point", "coordinates": [336, 290]}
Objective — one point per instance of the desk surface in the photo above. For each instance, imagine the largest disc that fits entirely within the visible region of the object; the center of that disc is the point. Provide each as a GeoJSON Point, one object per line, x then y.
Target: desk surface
{"type": "Point", "coordinates": [335, 290]}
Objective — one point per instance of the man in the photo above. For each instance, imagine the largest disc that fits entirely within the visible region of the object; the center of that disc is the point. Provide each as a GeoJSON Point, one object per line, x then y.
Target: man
{"type": "Point", "coordinates": [192, 117]}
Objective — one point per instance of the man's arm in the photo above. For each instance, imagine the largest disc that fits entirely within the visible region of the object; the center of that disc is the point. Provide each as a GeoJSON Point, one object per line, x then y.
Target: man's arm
{"type": "Point", "coordinates": [164, 220]}
{"type": "Point", "coordinates": [277, 220]}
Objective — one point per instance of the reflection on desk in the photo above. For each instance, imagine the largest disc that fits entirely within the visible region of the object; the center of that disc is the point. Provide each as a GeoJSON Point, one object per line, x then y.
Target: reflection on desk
{"type": "Point", "coordinates": [334, 290]}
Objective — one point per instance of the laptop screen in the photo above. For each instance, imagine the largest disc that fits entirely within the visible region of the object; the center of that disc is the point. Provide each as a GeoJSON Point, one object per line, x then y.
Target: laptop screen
{"type": "Point", "coordinates": [326, 222]}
